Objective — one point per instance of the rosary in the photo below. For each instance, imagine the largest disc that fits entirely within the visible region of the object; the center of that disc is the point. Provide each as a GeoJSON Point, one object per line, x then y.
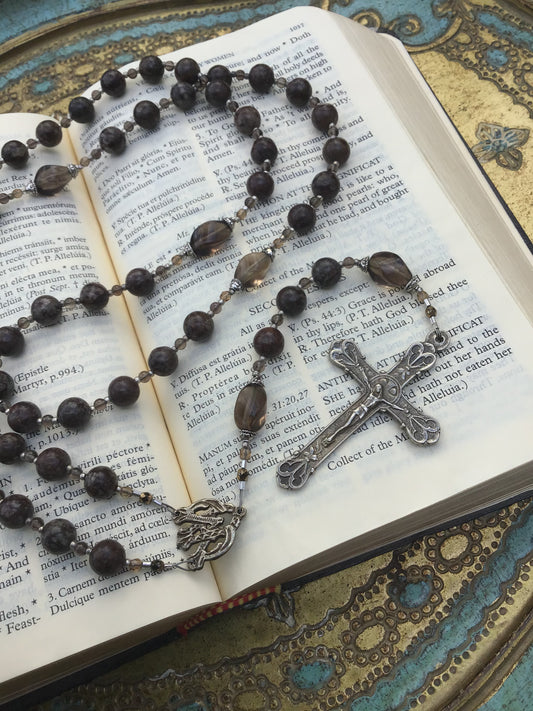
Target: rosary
{"type": "Point", "coordinates": [206, 528]}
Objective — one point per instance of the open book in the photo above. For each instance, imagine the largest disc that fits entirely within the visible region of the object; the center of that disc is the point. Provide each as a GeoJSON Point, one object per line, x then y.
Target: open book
{"type": "Point", "coordinates": [409, 187]}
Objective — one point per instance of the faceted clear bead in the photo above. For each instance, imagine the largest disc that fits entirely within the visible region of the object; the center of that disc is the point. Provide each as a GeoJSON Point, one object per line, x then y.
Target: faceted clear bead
{"type": "Point", "coordinates": [176, 260]}
{"type": "Point", "coordinates": [388, 269]}
{"type": "Point", "coordinates": [348, 262]}
{"type": "Point", "coordinates": [24, 322]}
{"type": "Point", "coordinates": [100, 404]}
{"type": "Point", "coordinates": [252, 269]}
{"type": "Point", "coordinates": [180, 343]}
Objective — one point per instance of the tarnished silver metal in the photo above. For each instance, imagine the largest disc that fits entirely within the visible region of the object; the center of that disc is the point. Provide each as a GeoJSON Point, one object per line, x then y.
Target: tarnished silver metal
{"type": "Point", "coordinates": [31, 188]}
{"type": "Point", "coordinates": [380, 392]}
{"type": "Point", "coordinates": [74, 169]}
{"type": "Point", "coordinates": [363, 263]}
{"type": "Point", "coordinates": [235, 285]}
{"type": "Point", "coordinates": [207, 529]}
{"type": "Point", "coordinates": [439, 339]}
{"type": "Point", "coordinates": [270, 253]}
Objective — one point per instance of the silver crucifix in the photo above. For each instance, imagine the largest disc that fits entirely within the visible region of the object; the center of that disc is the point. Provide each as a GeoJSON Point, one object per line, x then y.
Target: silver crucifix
{"type": "Point", "coordinates": [380, 392]}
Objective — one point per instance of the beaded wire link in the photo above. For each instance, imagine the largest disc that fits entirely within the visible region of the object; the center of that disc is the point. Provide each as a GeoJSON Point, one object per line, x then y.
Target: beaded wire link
{"type": "Point", "coordinates": [124, 390]}
{"type": "Point", "coordinates": [251, 404]}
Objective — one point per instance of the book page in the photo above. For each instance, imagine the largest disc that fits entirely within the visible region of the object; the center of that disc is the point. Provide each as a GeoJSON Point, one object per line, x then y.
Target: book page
{"type": "Point", "coordinates": [50, 603]}
{"type": "Point", "coordinates": [390, 200]}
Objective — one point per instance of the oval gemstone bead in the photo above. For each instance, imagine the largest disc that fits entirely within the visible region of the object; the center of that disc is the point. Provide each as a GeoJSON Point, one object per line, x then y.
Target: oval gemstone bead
{"type": "Point", "coordinates": [250, 408]}
{"type": "Point", "coordinates": [388, 269]}
{"type": "Point", "coordinates": [252, 268]}
{"type": "Point", "coordinates": [50, 179]}
{"type": "Point", "coordinates": [209, 237]}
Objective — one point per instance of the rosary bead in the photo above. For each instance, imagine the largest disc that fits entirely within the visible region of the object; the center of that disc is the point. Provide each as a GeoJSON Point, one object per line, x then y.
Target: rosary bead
{"type": "Point", "coordinates": [145, 497]}
{"type": "Point", "coordinates": [188, 70]}
{"type": "Point", "coordinates": [100, 404]}
{"type": "Point", "coordinates": [301, 217]}
{"type": "Point", "coordinates": [135, 564]}
{"type": "Point", "coordinates": [79, 547]}
{"type": "Point", "coordinates": [113, 83]}
{"type": "Point", "coordinates": [36, 523]}
{"type": "Point", "coordinates": [53, 464]}
{"type": "Point", "coordinates": [123, 391]}
{"type": "Point", "coordinates": [151, 68]}
{"type": "Point", "coordinates": [49, 133]}
{"type": "Point", "coordinates": [157, 566]}
{"type": "Point", "coordinates": [245, 453]}
{"type": "Point", "coordinates": [15, 154]}
{"type": "Point", "coordinates": [107, 557]}
{"type": "Point", "coordinates": [336, 149]}
{"type": "Point", "coordinates": [242, 474]}
{"type": "Point", "coordinates": [112, 140]}
{"type": "Point", "coordinates": [57, 535]}
{"type": "Point", "coordinates": [74, 413]}
{"type": "Point", "coordinates": [209, 237]}
{"type": "Point", "coordinates": [46, 310]}
{"type": "Point", "coordinates": [217, 93]}
{"type": "Point", "coordinates": [219, 72]}
{"type": "Point", "coordinates": [430, 311]}
{"type": "Point", "coordinates": [11, 447]}
{"type": "Point", "coordinates": [140, 282]}
{"type": "Point", "coordinates": [96, 153]}
{"type": "Point", "coordinates": [15, 511]}
{"type": "Point", "coordinates": [326, 272]}
{"type": "Point", "coordinates": [163, 360]}
{"type": "Point", "coordinates": [94, 296]}
{"type": "Point", "coordinates": [50, 179]}
{"type": "Point", "coordinates": [292, 300]}
{"type": "Point", "coordinates": [81, 110]}
{"type": "Point", "coordinates": [326, 184]}
{"type": "Point", "coordinates": [299, 92]}
{"type": "Point", "coordinates": [24, 417]}
{"type": "Point", "coordinates": [258, 366]}
{"type": "Point", "coordinates": [269, 342]}
{"type": "Point", "coordinates": [388, 269]}
{"type": "Point", "coordinates": [145, 376]}
{"type": "Point", "coordinates": [323, 115]}
{"type": "Point", "coordinates": [24, 322]}
{"type": "Point", "coordinates": [147, 114]}
{"type": "Point", "coordinates": [180, 343]}
{"type": "Point", "coordinates": [117, 289]}
{"type": "Point", "coordinates": [11, 341]}
{"type": "Point", "coordinates": [277, 319]}
{"type": "Point", "coordinates": [246, 119]}
{"type": "Point", "coordinates": [348, 262]}
{"type": "Point", "coordinates": [260, 184]}
{"type": "Point", "coordinates": [264, 149]}
{"type": "Point", "coordinates": [183, 95]}
{"type": "Point", "coordinates": [250, 408]}
{"type": "Point", "coordinates": [252, 268]}
{"type": "Point", "coordinates": [100, 482]}
{"type": "Point", "coordinates": [261, 78]}
{"type": "Point", "coordinates": [198, 326]}
{"type": "Point", "coordinates": [7, 385]}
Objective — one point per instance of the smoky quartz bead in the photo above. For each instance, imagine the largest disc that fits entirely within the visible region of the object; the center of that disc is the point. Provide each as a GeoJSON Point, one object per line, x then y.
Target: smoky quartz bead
{"type": "Point", "coordinates": [15, 154]}
{"type": "Point", "coordinates": [217, 93]}
{"type": "Point", "coordinates": [323, 115]}
{"type": "Point", "coordinates": [113, 83]}
{"type": "Point", "coordinates": [100, 482]}
{"type": "Point", "coordinates": [264, 149]}
{"type": "Point", "coordinates": [209, 237]}
{"type": "Point", "coordinates": [246, 119]}
{"type": "Point", "coordinates": [107, 557]}
{"type": "Point", "coordinates": [74, 413]}
{"type": "Point", "coordinates": [252, 269]}
{"type": "Point", "coordinates": [123, 391]}
{"type": "Point", "coordinates": [183, 95]}
{"type": "Point", "coordinates": [299, 92]}
{"type": "Point", "coordinates": [292, 300]}
{"type": "Point", "coordinates": [336, 149]}
{"type": "Point", "coordinates": [250, 408]}
{"type": "Point", "coordinates": [112, 140]}
{"type": "Point", "coordinates": [188, 70]}
{"type": "Point", "coordinates": [50, 179]}
{"type": "Point", "coordinates": [163, 360]}
{"type": "Point", "coordinates": [46, 310]}
{"type": "Point", "coordinates": [7, 385]}
{"type": "Point", "coordinates": [219, 72]}
{"type": "Point", "coordinates": [260, 184]}
{"type": "Point", "coordinates": [147, 114]}
{"type": "Point", "coordinates": [11, 341]}
{"type": "Point", "coordinates": [140, 282]}
{"type": "Point", "coordinates": [94, 296]}
{"type": "Point", "coordinates": [53, 464]}
{"type": "Point", "coordinates": [198, 326]}
{"type": "Point", "coordinates": [15, 511]}
{"type": "Point", "coordinates": [151, 68]}
{"type": "Point", "coordinates": [326, 184]}
{"type": "Point", "coordinates": [261, 78]}
{"type": "Point", "coordinates": [49, 133]}
{"type": "Point", "coordinates": [57, 535]}
{"type": "Point", "coordinates": [326, 272]}
{"type": "Point", "coordinates": [81, 110]}
{"type": "Point", "coordinates": [269, 342]}
{"type": "Point", "coordinates": [24, 417]}
{"type": "Point", "coordinates": [389, 269]}
{"type": "Point", "coordinates": [11, 447]}
{"type": "Point", "coordinates": [301, 218]}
